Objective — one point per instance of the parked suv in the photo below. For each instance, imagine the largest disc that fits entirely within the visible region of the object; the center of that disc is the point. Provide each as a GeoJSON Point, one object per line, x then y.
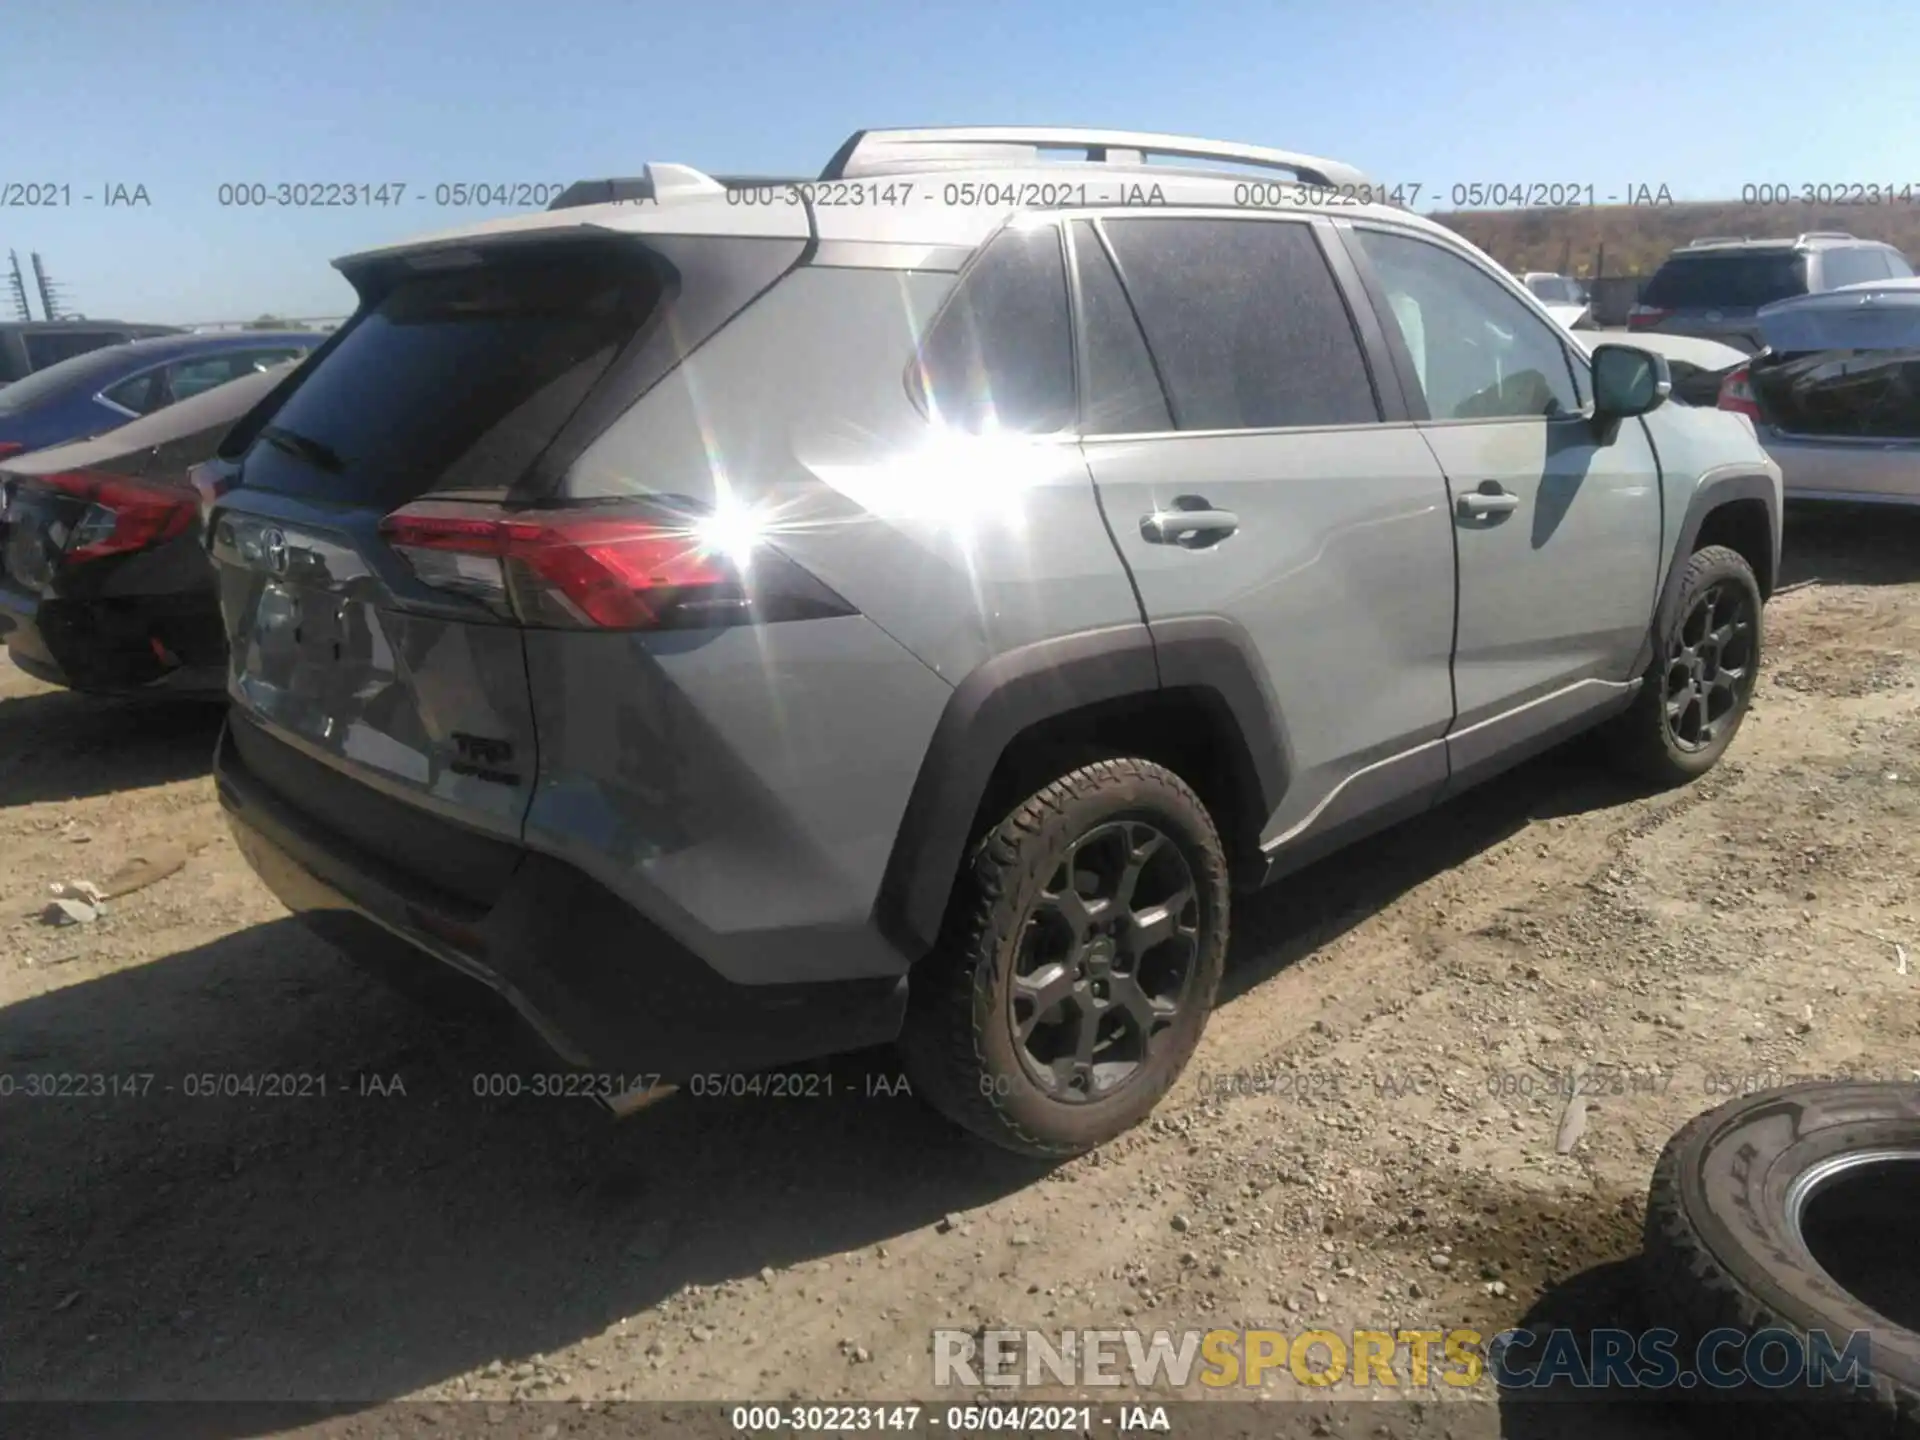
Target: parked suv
{"type": "Point", "coordinates": [1713, 287]}
{"type": "Point", "coordinates": [907, 605]}
{"type": "Point", "coordinates": [30, 345]}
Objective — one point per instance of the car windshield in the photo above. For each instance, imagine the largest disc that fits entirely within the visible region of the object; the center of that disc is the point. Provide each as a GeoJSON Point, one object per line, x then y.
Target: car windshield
{"type": "Point", "coordinates": [91, 370]}
{"type": "Point", "coordinates": [1733, 282]}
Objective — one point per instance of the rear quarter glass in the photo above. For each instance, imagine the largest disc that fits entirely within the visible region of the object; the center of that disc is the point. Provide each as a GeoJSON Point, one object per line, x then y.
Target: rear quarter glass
{"type": "Point", "coordinates": [457, 380]}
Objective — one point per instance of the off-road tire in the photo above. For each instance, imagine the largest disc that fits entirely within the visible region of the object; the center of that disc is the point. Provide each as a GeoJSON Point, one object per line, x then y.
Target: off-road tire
{"type": "Point", "coordinates": [1639, 740]}
{"type": "Point", "coordinates": [958, 1046]}
{"type": "Point", "coordinates": [1720, 1252]}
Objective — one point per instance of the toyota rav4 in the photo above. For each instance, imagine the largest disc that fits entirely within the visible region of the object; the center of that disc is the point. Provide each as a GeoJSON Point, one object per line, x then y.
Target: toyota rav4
{"type": "Point", "coordinates": [741, 621]}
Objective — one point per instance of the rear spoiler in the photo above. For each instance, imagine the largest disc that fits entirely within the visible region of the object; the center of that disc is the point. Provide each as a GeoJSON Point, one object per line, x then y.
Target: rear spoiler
{"type": "Point", "coordinates": [640, 190]}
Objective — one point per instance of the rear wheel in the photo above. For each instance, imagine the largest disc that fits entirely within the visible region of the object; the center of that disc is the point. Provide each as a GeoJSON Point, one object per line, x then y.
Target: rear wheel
{"type": "Point", "coordinates": [1700, 684]}
{"type": "Point", "coordinates": [1082, 966]}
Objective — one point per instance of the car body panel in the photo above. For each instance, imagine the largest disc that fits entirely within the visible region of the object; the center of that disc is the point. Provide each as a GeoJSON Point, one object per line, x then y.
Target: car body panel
{"type": "Point", "coordinates": [94, 626]}
{"type": "Point", "coordinates": [1838, 387]}
{"type": "Point", "coordinates": [1341, 574]}
{"type": "Point", "coordinates": [67, 402]}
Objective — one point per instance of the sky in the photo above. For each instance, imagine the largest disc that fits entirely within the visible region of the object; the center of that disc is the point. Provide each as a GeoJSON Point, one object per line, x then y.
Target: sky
{"type": "Point", "coordinates": [178, 97]}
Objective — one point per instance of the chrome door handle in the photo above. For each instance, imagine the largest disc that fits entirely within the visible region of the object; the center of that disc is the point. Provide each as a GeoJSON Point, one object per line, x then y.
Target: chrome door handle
{"type": "Point", "coordinates": [1476, 503]}
{"type": "Point", "coordinates": [1165, 527]}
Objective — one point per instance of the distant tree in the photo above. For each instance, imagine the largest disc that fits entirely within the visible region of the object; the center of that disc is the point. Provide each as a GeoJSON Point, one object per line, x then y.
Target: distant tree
{"type": "Point", "coordinates": [273, 322]}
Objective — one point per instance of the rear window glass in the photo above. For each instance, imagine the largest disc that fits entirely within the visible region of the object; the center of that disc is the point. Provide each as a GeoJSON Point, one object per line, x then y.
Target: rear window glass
{"type": "Point", "coordinates": [1731, 282]}
{"type": "Point", "coordinates": [457, 380]}
{"type": "Point", "coordinates": [50, 348]}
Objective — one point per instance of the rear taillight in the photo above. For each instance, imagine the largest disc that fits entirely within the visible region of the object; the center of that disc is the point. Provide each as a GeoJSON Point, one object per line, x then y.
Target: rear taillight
{"type": "Point", "coordinates": [10, 447]}
{"type": "Point", "coordinates": [604, 569]}
{"type": "Point", "coordinates": [1645, 317]}
{"type": "Point", "coordinates": [122, 515]}
{"type": "Point", "coordinates": [1736, 393]}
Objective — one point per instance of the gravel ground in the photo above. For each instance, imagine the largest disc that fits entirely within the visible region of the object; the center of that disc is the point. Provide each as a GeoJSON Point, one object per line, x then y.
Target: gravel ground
{"type": "Point", "coordinates": [1368, 1136]}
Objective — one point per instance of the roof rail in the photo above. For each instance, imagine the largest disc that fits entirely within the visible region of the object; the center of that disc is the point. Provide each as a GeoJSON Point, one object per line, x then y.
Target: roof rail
{"type": "Point", "coordinates": [1825, 235]}
{"type": "Point", "coordinates": [880, 152]}
{"type": "Point", "coordinates": [1715, 240]}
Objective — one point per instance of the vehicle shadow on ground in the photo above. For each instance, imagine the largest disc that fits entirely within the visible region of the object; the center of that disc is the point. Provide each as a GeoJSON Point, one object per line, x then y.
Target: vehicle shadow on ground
{"type": "Point", "coordinates": [60, 745]}
{"type": "Point", "coordinates": [1604, 1297]}
{"type": "Point", "coordinates": [1850, 545]}
{"type": "Point", "coordinates": [1280, 926]}
{"type": "Point", "coordinates": [398, 1229]}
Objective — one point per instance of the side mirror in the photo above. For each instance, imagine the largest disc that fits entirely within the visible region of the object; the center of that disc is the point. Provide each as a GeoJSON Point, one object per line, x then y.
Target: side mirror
{"type": "Point", "coordinates": [1628, 381]}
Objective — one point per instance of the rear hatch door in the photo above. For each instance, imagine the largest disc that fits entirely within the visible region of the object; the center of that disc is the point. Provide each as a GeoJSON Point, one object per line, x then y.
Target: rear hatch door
{"type": "Point", "coordinates": [1844, 364]}
{"type": "Point", "coordinates": [1718, 295]}
{"type": "Point", "coordinates": [450, 383]}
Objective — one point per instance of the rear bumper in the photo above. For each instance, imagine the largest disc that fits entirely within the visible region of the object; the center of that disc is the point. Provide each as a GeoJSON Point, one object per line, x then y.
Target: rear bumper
{"type": "Point", "coordinates": [603, 986]}
{"type": "Point", "coordinates": [1846, 470]}
{"type": "Point", "coordinates": [106, 647]}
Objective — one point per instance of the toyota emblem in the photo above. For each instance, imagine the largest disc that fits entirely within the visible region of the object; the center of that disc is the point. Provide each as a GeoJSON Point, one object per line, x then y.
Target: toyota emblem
{"type": "Point", "coordinates": [274, 542]}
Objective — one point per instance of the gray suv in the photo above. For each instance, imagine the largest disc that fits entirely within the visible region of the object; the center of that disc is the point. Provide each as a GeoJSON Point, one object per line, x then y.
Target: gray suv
{"type": "Point", "coordinates": [1714, 287]}
{"type": "Point", "coordinates": [747, 621]}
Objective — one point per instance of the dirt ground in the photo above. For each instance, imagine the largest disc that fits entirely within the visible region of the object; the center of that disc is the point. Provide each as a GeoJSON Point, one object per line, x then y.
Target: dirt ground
{"type": "Point", "coordinates": [1412, 1006]}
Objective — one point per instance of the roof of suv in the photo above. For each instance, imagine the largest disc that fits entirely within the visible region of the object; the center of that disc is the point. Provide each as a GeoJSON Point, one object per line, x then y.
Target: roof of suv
{"type": "Point", "coordinates": [1742, 244]}
{"type": "Point", "coordinates": [948, 187]}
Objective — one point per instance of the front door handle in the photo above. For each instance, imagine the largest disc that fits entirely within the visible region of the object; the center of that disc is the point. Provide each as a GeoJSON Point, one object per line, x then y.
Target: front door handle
{"type": "Point", "coordinates": [1489, 499]}
{"type": "Point", "coordinates": [1191, 528]}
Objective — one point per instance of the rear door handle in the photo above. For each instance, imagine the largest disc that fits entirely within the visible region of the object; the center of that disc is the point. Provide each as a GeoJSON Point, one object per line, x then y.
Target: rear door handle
{"type": "Point", "coordinates": [1490, 500]}
{"type": "Point", "coordinates": [1191, 527]}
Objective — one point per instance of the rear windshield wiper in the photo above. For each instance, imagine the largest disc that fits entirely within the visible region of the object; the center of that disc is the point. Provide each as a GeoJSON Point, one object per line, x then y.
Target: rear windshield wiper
{"type": "Point", "coordinates": [308, 449]}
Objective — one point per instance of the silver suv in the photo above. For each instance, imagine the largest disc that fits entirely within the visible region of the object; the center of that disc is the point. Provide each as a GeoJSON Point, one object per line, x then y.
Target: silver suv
{"type": "Point", "coordinates": [1714, 286]}
{"type": "Point", "coordinates": [745, 622]}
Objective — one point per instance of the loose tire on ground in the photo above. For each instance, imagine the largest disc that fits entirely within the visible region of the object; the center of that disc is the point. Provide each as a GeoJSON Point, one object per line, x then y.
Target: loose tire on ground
{"type": "Point", "coordinates": [962, 1046]}
{"type": "Point", "coordinates": [1642, 740]}
{"type": "Point", "coordinates": [1741, 1233]}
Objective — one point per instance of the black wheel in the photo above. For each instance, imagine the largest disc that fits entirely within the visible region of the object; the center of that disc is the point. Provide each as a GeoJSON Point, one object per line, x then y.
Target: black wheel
{"type": "Point", "coordinates": [1082, 965]}
{"type": "Point", "coordinates": [1700, 684]}
{"type": "Point", "coordinates": [1791, 1212]}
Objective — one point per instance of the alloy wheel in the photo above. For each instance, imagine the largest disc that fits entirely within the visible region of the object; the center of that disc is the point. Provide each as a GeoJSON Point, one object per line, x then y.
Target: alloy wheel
{"type": "Point", "coordinates": [1106, 961]}
{"type": "Point", "coordinates": [1710, 666]}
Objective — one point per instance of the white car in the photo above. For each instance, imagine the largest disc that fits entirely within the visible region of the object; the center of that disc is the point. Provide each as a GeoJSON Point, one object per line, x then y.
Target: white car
{"type": "Point", "coordinates": [1563, 297]}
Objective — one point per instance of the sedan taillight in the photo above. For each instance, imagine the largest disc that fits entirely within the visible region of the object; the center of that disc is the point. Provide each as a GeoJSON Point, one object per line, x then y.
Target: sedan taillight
{"type": "Point", "coordinates": [122, 515]}
{"type": "Point", "coordinates": [1736, 393]}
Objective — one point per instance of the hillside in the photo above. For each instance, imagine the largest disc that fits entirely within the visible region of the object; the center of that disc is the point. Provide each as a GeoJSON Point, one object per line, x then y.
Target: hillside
{"type": "Point", "coordinates": [1637, 237]}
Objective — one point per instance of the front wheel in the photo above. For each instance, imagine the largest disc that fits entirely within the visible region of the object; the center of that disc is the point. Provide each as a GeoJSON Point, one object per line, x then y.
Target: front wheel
{"type": "Point", "coordinates": [1700, 684]}
{"type": "Point", "coordinates": [1076, 984]}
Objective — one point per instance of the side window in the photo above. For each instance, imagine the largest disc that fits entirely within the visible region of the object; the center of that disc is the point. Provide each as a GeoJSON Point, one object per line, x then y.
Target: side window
{"type": "Point", "coordinates": [252, 362]}
{"type": "Point", "coordinates": [1245, 322]}
{"type": "Point", "coordinates": [1123, 395]}
{"type": "Point", "coordinates": [1851, 267]}
{"type": "Point", "coordinates": [141, 394]}
{"type": "Point", "coordinates": [1478, 353]}
{"type": "Point", "coordinates": [188, 378]}
{"type": "Point", "coordinates": [999, 356]}
{"type": "Point", "coordinates": [1897, 266]}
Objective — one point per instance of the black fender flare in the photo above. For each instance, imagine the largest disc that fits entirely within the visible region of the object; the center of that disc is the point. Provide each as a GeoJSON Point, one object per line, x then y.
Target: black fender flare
{"type": "Point", "coordinates": [1715, 490]}
{"type": "Point", "coordinates": [1709, 495]}
{"type": "Point", "coordinates": [1027, 686]}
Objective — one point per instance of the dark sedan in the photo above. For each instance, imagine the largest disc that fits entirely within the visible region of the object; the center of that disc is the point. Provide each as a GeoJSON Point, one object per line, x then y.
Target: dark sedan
{"type": "Point", "coordinates": [105, 388]}
{"type": "Point", "coordinates": [104, 585]}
